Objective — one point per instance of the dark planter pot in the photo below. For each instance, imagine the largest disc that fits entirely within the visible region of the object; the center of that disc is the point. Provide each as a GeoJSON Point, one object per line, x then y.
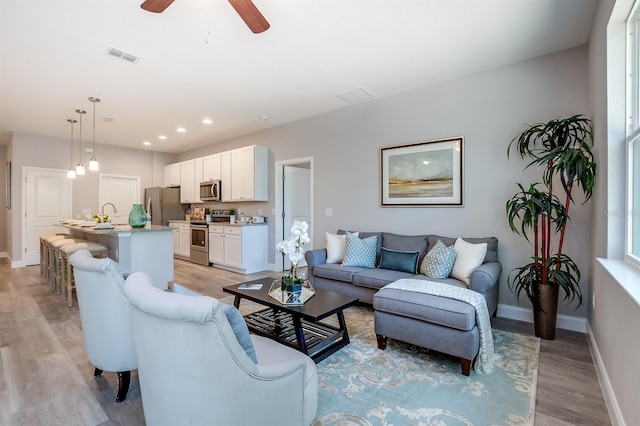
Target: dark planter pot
{"type": "Point", "coordinates": [545, 314]}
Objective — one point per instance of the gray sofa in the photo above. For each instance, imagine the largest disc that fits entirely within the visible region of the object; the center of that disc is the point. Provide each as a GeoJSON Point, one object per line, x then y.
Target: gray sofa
{"type": "Point", "coordinates": [363, 283]}
{"type": "Point", "coordinates": [437, 323]}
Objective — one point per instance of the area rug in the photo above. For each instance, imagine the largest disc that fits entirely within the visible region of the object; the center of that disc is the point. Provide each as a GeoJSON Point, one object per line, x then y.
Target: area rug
{"type": "Point", "coordinates": [407, 385]}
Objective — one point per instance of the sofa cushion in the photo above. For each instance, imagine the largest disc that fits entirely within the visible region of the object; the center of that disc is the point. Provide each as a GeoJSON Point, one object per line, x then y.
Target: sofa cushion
{"type": "Point", "coordinates": [406, 261]}
{"type": "Point", "coordinates": [438, 310]}
{"type": "Point", "coordinates": [378, 278]}
{"type": "Point", "coordinates": [360, 252]}
{"type": "Point", "coordinates": [468, 257]}
{"type": "Point", "coordinates": [439, 262]}
{"type": "Point", "coordinates": [492, 245]}
{"type": "Point", "coordinates": [405, 243]}
{"type": "Point", "coordinates": [337, 272]}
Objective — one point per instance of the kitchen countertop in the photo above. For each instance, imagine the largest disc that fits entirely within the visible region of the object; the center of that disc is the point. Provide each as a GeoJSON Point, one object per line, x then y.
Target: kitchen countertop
{"type": "Point", "coordinates": [116, 229]}
{"type": "Point", "coordinates": [220, 223]}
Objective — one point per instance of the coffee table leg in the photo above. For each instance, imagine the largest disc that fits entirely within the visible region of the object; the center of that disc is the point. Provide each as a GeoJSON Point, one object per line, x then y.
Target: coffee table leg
{"type": "Point", "coordinates": [297, 325]}
{"type": "Point", "coordinates": [236, 302]}
{"type": "Point", "coordinates": [343, 327]}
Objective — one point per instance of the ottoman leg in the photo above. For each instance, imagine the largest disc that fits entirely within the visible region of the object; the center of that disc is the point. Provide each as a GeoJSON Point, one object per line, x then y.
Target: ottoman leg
{"type": "Point", "coordinates": [382, 341]}
{"type": "Point", "coordinates": [466, 366]}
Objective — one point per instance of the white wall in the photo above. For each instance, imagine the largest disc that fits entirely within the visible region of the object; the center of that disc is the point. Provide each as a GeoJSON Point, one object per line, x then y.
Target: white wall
{"type": "Point", "coordinates": [488, 109]}
{"type": "Point", "coordinates": [615, 322]}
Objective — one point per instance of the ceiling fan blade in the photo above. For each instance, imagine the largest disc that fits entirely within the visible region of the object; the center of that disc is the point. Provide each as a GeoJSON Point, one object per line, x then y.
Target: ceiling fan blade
{"type": "Point", "coordinates": [250, 15]}
{"type": "Point", "coordinates": [156, 6]}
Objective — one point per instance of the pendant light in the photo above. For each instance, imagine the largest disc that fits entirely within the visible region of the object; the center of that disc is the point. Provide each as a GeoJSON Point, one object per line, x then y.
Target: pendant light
{"type": "Point", "coordinates": [71, 173]}
{"type": "Point", "coordinates": [80, 166]}
{"type": "Point", "coordinates": [93, 163]}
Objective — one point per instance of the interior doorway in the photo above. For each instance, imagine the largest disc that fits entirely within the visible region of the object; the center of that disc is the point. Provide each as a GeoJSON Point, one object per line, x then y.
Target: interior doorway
{"type": "Point", "coordinates": [121, 191]}
{"type": "Point", "coordinates": [47, 201]}
{"type": "Point", "coordinates": [294, 201]}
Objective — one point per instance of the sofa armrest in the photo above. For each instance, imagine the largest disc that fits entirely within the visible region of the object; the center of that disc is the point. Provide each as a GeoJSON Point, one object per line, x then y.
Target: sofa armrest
{"type": "Point", "coordinates": [485, 276]}
{"type": "Point", "coordinates": [314, 257]}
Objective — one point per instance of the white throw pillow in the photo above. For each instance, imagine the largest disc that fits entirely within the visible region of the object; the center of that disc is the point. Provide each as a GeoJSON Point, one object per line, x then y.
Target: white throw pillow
{"type": "Point", "coordinates": [468, 257]}
{"type": "Point", "coordinates": [335, 247]}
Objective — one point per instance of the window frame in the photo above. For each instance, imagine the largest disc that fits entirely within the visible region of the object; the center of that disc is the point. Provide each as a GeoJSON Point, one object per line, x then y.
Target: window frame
{"type": "Point", "coordinates": [632, 217]}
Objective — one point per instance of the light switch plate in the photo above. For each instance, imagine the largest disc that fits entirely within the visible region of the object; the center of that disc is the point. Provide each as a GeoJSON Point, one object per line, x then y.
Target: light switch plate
{"type": "Point", "coordinates": [328, 211]}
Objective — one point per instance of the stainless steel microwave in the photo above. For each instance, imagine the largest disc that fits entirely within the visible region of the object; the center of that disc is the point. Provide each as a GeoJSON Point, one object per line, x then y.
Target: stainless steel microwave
{"type": "Point", "coordinates": [211, 190]}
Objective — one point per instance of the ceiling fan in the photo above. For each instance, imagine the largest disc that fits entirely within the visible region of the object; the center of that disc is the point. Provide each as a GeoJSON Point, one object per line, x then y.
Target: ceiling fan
{"type": "Point", "coordinates": [245, 8]}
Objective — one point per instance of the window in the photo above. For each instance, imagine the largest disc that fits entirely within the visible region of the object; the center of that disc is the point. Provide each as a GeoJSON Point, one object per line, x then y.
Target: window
{"type": "Point", "coordinates": [633, 135]}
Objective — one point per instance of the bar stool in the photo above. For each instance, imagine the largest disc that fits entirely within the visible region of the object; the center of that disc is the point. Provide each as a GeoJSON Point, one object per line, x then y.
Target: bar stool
{"type": "Point", "coordinates": [96, 250]}
{"type": "Point", "coordinates": [55, 271]}
{"type": "Point", "coordinates": [44, 251]}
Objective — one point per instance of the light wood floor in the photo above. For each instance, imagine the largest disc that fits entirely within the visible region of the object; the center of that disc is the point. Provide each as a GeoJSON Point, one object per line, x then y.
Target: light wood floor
{"type": "Point", "coordinates": [45, 378]}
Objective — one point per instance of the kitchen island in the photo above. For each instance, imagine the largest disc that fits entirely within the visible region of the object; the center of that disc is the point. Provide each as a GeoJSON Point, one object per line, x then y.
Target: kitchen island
{"type": "Point", "coordinates": [148, 250]}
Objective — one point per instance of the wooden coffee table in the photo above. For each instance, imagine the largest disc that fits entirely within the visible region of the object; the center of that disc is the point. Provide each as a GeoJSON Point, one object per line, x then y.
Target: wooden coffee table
{"type": "Point", "coordinates": [299, 327]}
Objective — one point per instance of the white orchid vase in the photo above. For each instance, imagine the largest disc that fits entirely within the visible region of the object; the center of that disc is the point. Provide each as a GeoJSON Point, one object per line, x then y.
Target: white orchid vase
{"type": "Point", "coordinates": [293, 248]}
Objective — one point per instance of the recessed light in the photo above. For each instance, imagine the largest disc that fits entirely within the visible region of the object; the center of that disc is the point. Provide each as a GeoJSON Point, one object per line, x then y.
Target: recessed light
{"type": "Point", "coordinates": [207, 121]}
{"type": "Point", "coordinates": [147, 143]}
{"type": "Point", "coordinates": [163, 137]}
{"type": "Point", "coordinates": [264, 117]}
{"type": "Point", "coordinates": [181, 130]}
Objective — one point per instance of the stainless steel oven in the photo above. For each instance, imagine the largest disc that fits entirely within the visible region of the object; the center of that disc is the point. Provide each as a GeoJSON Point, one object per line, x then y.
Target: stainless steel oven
{"type": "Point", "coordinates": [200, 243]}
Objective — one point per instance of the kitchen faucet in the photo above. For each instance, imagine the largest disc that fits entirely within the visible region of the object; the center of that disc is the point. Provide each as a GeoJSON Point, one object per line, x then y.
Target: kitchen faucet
{"type": "Point", "coordinates": [112, 205]}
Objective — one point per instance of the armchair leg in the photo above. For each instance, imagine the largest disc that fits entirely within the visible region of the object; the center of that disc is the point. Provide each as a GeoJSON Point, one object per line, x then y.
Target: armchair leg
{"type": "Point", "coordinates": [97, 372]}
{"type": "Point", "coordinates": [124, 377]}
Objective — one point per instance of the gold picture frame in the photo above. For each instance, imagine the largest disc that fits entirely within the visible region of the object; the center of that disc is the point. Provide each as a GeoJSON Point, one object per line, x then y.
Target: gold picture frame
{"type": "Point", "coordinates": [426, 173]}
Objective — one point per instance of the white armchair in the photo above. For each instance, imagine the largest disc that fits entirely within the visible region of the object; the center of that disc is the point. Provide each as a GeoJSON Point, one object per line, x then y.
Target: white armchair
{"type": "Point", "coordinates": [104, 314]}
{"type": "Point", "coordinates": [193, 369]}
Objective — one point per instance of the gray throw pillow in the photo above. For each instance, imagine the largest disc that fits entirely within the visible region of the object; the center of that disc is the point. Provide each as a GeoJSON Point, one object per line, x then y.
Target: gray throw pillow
{"type": "Point", "coordinates": [439, 262]}
{"type": "Point", "coordinates": [239, 327]}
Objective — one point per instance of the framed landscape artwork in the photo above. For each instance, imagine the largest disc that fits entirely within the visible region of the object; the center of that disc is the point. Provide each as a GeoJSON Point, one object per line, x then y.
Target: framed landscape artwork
{"type": "Point", "coordinates": [422, 174]}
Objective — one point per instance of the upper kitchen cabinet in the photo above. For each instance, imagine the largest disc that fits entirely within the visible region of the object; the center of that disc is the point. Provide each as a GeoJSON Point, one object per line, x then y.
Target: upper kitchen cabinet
{"type": "Point", "coordinates": [172, 175]}
{"type": "Point", "coordinates": [225, 163]}
{"type": "Point", "coordinates": [212, 167]}
{"type": "Point", "coordinates": [249, 174]}
{"type": "Point", "coordinates": [190, 178]}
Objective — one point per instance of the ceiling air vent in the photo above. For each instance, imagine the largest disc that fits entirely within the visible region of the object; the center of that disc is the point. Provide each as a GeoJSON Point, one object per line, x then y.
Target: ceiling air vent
{"type": "Point", "coordinates": [356, 95]}
{"type": "Point", "coordinates": [122, 54]}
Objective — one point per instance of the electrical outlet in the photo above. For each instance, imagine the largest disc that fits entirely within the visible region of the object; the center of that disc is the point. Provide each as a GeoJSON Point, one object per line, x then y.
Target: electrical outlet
{"type": "Point", "coordinates": [593, 301]}
{"type": "Point", "coordinates": [328, 211]}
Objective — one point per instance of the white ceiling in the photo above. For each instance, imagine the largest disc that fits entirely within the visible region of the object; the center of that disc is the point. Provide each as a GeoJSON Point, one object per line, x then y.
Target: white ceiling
{"type": "Point", "coordinates": [198, 59]}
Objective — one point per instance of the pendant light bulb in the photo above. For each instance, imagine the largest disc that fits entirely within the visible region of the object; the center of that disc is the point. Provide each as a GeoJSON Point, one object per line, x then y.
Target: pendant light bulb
{"type": "Point", "coordinates": [71, 173]}
{"type": "Point", "coordinates": [80, 166]}
{"type": "Point", "coordinates": [93, 163]}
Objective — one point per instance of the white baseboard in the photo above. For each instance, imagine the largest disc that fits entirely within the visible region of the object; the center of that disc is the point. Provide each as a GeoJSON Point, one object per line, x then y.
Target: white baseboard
{"type": "Point", "coordinates": [272, 267]}
{"type": "Point", "coordinates": [566, 322]}
{"type": "Point", "coordinates": [18, 264]}
{"type": "Point", "coordinates": [607, 390]}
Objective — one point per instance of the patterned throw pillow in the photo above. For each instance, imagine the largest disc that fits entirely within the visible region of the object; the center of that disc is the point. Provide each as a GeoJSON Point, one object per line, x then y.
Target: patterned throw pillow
{"type": "Point", "coordinates": [359, 252]}
{"type": "Point", "coordinates": [439, 262]}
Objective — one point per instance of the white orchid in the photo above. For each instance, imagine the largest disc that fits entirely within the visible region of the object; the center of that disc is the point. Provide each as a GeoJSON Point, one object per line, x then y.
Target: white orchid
{"type": "Point", "coordinates": [293, 246]}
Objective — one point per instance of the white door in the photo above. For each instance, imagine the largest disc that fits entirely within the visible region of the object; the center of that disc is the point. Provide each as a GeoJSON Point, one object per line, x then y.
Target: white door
{"type": "Point", "coordinates": [121, 191]}
{"type": "Point", "coordinates": [47, 201]}
{"type": "Point", "coordinates": [296, 203]}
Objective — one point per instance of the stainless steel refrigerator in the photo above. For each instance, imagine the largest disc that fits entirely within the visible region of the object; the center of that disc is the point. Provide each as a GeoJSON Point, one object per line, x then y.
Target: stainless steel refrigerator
{"type": "Point", "coordinates": [164, 204]}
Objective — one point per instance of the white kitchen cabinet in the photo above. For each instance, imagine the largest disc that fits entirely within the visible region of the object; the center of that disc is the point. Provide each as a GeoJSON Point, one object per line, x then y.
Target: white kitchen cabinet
{"type": "Point", "coordinates": [249, 174]}
{"type": "Point", "coordinates": [212, 167]}
{"type": "Point", "coordinates": [190, 178]}
{"type": "Point", "coordinates": [172, 175]}
{"type": "Point", "coordinates": [185, 240]}
{"type": "Point", "coordinates": [240, 249]}
{"type": "Point", "coordinates": [225, 169]}
{"type": "Point", "coordinates": [176, 237]}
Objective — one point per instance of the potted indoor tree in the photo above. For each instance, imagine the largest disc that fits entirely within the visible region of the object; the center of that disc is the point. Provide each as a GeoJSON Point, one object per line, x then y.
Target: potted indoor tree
{"type": "Point", "coordinates": [562, 148]}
